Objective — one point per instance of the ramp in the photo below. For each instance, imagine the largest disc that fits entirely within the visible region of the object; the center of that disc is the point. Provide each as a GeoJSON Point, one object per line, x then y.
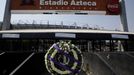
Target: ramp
{"type": "Point", "coordinates": [100, 63]}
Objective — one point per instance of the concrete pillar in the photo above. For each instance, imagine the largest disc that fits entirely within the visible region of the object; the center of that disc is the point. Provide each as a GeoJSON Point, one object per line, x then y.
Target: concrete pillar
{"type": "Point", "coordinates": [123, 16]}
{"type": "Point", "coordinates": [7, 16]}
{"type": "Point", "coordinates": [88, 44]}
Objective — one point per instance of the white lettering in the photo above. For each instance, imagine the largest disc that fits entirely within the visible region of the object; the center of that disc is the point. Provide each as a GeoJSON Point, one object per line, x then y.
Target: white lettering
{"type": "Point", "coordinates": [65, 3]}
{"type": "Point", "coordinates": [46, 3]}
{"type": "Point", "coordinates": [94, 4]}
{"type": "Point", "coordinates": [42, 2]}
{"type": "Point", "coordinates": [113, 6]}
{"type": "Point", "coordinates": [85, 4]}
{"type": "Point", "coordinates": [73, 2]}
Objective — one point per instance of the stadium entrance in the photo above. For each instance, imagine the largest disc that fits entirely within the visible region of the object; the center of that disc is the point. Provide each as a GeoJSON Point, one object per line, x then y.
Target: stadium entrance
{"type": "Point", "coordinates": [42, 45]}
{"type": "Point", "coordinates": [25, 52]}
{"type": "Point", "coordinates": [40, 41]}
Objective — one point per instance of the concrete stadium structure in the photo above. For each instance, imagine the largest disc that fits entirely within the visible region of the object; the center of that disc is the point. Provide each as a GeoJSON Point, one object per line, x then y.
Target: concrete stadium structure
{"type": "Point", "coordinates": [23, 47]}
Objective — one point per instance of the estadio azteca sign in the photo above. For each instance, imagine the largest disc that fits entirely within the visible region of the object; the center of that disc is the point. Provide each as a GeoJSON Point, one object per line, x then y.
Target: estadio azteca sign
{"type": "Point", "coordinates": [109, 7]}
{"type": "Point", "coordinates": [68, 3]}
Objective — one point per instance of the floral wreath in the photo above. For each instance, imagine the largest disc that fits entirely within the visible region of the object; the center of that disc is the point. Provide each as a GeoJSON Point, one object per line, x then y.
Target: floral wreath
{"type": "Point", "coordinates": [63, 58]}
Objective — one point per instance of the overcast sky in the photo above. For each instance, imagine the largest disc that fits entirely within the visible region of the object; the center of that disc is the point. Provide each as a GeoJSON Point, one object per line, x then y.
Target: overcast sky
{"type": "Point", "coordinates": [108, 22]}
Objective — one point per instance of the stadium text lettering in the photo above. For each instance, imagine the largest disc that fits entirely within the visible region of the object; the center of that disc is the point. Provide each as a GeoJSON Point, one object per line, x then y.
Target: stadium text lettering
{"type": "Point", "coordinates": [72, 2]}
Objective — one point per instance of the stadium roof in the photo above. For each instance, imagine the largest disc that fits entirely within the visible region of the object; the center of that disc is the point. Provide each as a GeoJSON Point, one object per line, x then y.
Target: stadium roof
{"type": "Point", "coordinates": [64, 31]}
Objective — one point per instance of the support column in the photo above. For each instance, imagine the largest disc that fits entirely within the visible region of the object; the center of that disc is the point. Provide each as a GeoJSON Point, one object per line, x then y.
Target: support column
{"type": "Point", "coordinates": [7, 16]}
{"type": "Point", "coordinates": [123, 16]}
{"type": "Point", "coordinates": [89, 45]}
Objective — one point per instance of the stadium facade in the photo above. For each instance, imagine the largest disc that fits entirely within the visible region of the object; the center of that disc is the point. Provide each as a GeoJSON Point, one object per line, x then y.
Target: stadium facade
{"type": "Point", "coordinates": [35, 49]}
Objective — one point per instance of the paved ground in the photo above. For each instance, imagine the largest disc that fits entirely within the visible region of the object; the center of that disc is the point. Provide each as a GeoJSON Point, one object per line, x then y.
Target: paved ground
{"type": "Point", "coordinates": [94, 64]}
{"type": "Point", "coordinates": [132, 54]}
{"type": "Point", "coordinates": [34, 66]}
{"type": "Point", "coordinates": [122, 63]}
{"type": "Point", "coordinates": [9, 61]}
